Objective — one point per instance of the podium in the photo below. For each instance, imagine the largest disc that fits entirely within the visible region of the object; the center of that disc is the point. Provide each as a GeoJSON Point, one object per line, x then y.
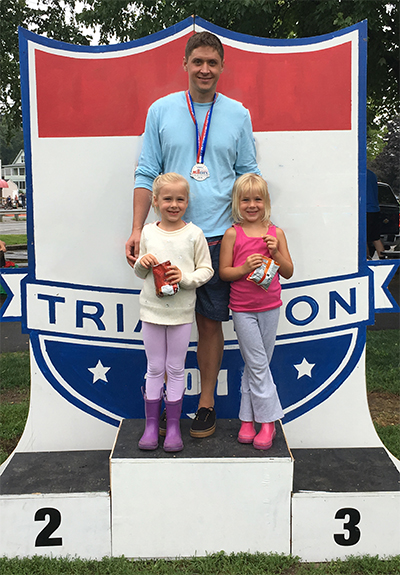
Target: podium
{"type": "Point", "coordinates": [216, 494]}
{"type": "Point", "coordinates": [345, 502]}
{"type": "Point", "coordinates": [56, 504]}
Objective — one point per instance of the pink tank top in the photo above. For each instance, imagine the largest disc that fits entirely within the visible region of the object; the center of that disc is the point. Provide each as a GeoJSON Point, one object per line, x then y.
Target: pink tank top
{"type": "Point", "coordinates": [246, 295]}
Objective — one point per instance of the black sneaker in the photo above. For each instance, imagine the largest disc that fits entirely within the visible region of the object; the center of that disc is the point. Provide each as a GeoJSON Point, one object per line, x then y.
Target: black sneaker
{"type": "Point", "coordinates": [204, 423]}
{"type": "Point", "coordinates": [162, 424]}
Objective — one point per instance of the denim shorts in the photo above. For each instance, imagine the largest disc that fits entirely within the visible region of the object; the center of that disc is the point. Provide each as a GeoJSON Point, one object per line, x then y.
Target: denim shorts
{"type": "Point", "coordinates": [213, 297]}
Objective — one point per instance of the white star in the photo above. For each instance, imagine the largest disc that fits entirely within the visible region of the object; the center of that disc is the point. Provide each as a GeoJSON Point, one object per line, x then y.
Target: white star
{"type": "Point", "coordinates": [99, 372]}
{"type": "Point", "coordinates": [304, 368]}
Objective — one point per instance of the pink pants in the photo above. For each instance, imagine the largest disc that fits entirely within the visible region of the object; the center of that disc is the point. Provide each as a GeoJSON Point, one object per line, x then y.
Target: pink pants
{"type": "Point", "coordinates": [166, 347]}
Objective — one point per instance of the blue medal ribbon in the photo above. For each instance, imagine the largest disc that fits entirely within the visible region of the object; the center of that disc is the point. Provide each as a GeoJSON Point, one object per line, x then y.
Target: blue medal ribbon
{"type": "Point", "coordinates": [201, 140]}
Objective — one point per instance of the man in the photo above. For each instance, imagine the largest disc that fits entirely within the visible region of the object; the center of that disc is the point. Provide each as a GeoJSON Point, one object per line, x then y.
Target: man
{"type": "Point", "coordinates": [207, 138]}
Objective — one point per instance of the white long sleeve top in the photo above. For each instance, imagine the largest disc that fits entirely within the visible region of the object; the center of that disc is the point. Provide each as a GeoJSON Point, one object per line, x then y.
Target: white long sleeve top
{"type": "Point", "coordinates": [187, 249]}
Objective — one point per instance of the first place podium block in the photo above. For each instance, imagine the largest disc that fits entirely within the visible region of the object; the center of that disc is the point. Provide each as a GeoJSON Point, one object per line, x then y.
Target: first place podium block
{"type": "Point", "coordinates": [215, 494]}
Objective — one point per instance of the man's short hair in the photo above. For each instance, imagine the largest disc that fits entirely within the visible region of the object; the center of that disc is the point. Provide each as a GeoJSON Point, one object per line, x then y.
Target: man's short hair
{"type": "Point", "coordinates": [204, 39]}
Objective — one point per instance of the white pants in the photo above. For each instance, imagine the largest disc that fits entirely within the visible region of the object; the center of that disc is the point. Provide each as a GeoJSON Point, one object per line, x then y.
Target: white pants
{"type": "Point", "coordinates": [256, 332]}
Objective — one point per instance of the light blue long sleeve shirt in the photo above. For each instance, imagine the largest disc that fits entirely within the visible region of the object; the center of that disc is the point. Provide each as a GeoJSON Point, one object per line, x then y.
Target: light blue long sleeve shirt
{"type": "Point", "coordinates": [170, 146]}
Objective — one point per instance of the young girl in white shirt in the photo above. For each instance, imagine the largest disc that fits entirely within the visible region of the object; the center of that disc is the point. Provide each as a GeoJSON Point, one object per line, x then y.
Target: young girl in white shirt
{"type": "Point", "coordinates": [167, 320]}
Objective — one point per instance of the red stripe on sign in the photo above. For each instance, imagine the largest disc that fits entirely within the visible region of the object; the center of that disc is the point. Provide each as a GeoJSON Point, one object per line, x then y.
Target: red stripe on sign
{"type": "Point", "coordinates": [81, 97]}
{"type": "Point", "coordinates": [104, 97]}
{"type": "Point", "coordinates": [292, 91]}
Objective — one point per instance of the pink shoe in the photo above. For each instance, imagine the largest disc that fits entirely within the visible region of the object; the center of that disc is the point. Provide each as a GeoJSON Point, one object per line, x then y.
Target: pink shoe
{"type": "Point", "coordinates": [264, 439]}
{"type": "Point", "coordinates": [247, 432]}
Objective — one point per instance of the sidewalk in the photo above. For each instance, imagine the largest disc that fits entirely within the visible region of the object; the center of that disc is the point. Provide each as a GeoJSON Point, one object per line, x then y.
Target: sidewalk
{"type": "Point", "coordinates": [11, 337]}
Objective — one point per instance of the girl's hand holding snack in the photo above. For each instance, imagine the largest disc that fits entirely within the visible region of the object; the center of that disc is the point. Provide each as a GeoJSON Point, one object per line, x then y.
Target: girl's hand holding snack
{"type": "Point", "coordinates": [279, 251]}
{"type": "Point", "coordinates": [272, 244]}
{"type": "Point", "coordinates": [148, 261]}
{"type": "Point", "coordinates": [252, 262]}
{"type": "Point", "coordinates": [174, 275]}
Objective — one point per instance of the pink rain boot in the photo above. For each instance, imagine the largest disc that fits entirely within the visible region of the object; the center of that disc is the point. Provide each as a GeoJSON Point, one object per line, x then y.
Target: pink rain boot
{"type": "Point", "coordinates": [247, 432]}
{"type": "Point", "coordinates": [173, 439]}
{"type": "Point", "coordinates": [264, 439]}
{"type": "Point", "coordinates": [149, 439]}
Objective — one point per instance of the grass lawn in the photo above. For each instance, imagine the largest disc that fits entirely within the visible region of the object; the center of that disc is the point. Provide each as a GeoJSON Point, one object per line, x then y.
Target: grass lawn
{"type": "Point", "coordinates": [14, 239]}
{"type": "Point", "coordinates": [383, 385]}
{"type": "Point", "coordinates": [382, 364]}
{"type": "Point", "coordinates": [216, 564]}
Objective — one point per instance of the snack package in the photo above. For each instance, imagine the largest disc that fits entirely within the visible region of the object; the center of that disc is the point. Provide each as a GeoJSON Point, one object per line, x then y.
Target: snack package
{"type": "Point", "coordinates": [263, 275]}
{"type": "Point", "coordinates": [162, 286]}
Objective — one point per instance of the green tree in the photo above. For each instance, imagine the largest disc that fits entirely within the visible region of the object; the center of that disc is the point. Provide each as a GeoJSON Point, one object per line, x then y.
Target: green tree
{"type": "Point", "coordinates": [55, 19]}
{"type": "Point", "coordinates": [12, 13]}
{"type": "Point", "coordinates": [9, 148]}
{"type": "Point", "coordinates": [386, 164]}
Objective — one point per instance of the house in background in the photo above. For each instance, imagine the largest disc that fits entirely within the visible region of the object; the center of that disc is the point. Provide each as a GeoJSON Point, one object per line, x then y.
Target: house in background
{"type": "Point", "coordinates": [16, 173]}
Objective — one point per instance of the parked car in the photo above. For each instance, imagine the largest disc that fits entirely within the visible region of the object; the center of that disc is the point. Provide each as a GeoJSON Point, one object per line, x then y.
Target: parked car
{"type": "Point", "coordinates": [389, 215]}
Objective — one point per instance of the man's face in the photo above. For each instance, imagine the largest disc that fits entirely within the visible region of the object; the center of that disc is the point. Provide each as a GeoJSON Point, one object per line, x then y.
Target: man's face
{"type": "Point", "coordinates": [204, 67]}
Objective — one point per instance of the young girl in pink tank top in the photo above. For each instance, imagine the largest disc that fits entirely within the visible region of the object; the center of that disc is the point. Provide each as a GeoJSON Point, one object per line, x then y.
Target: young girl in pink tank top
{"type": "Point", "coordinates": [255, 310]}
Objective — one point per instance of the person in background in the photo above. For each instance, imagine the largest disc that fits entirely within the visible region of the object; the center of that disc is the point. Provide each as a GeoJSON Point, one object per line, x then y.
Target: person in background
{"type": "Point", "coordinates": [374, 241]}
{"type": "Point", "coordinates": [3, 250]}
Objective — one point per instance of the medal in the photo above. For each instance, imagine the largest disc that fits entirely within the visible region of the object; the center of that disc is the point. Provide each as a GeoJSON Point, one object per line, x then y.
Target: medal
{"type": "Point", "coordinates": [200, 171]}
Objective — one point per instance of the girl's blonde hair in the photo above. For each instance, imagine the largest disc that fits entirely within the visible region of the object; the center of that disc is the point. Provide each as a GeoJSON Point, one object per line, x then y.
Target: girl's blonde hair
{"type": "Point", "coordinates": [250, 183]}
{"type": "Point", "coordinates": [168, 178]}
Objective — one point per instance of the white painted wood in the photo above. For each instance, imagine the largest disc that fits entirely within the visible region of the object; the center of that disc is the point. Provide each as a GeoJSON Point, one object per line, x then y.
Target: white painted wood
{"type": "Point", "coordinates": [185, 507]}
{"type": "Point", "coordinates": [84, 530]}
{"type": "Point", "coordinates": [318, 536]}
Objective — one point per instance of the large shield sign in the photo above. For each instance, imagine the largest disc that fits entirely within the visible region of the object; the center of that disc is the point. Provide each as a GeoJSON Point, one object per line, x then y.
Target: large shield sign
{"type": "Point", "coordinates": [84, 111]}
